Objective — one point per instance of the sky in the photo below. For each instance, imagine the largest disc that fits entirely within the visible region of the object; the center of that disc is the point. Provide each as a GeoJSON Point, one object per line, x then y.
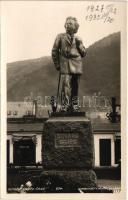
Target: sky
{"type": "Point", "coordinates": [30, 27]}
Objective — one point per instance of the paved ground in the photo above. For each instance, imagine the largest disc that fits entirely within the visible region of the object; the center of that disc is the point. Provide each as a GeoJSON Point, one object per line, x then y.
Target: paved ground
{"type": "Point", "coordinates": [111, 184]}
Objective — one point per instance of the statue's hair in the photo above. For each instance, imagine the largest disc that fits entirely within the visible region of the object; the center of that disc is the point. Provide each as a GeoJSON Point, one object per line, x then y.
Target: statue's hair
{"type": "Point", "coordinates": [76, 23]}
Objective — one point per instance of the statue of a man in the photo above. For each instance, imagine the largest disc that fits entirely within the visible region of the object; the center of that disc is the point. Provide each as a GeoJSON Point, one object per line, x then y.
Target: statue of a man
{"type": "Point", "coordinates": [67, 53]}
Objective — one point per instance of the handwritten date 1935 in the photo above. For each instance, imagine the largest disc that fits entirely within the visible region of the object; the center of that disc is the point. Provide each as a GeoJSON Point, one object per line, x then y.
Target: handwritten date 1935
{"type": "Point", "coordinates": [106, 13]}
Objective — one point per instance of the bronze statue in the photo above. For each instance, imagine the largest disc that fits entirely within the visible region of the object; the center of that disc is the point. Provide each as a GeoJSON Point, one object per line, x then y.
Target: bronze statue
{"type": "Point", "coordinates": [67, 53]}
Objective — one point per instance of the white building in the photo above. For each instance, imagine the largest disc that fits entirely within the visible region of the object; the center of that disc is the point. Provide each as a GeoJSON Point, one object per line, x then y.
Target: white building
{"type": "Point", "coordinates": [24, 137]}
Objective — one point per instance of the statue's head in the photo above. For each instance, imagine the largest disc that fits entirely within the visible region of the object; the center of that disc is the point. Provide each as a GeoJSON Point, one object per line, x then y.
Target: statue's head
{"type": "Point", "coordinates": [71, 25]}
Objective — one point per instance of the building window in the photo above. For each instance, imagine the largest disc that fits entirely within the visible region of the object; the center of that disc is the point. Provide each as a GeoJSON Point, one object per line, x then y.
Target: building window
{"type": "Point", "coordinates": [105, 152]}
{"type": "Point", "coordinates": [28, 112]}
{"type": "Point", "coordinates": [9, 112]}
{"type": "Point", "coordinates": [8, 150]}
{"type": "Point", "coordinates": [24, 152]}
{"type": "Point", "coordinates": [15, 113]}
{"type": "Point", "coordinates": [117, 151]}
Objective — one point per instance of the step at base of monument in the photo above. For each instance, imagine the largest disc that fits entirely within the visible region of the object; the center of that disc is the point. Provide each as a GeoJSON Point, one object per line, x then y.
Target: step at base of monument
{"type": "Point", "coordinates": [79, 178]}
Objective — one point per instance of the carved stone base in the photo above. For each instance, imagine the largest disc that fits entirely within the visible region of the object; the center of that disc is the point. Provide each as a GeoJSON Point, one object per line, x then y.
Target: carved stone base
{"type": "Point", "coordinates": [67, 143]}
{"type": "Point", "coordinates": [68, 149]}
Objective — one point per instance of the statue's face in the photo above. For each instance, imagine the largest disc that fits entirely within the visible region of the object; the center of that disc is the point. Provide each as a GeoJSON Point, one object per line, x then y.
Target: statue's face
{"type": "Point", "coordinates": [70, 26]}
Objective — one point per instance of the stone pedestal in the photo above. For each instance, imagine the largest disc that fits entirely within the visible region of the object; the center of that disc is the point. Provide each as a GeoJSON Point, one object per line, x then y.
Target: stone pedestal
{"type": "Point", "coordinates": [68, 150]}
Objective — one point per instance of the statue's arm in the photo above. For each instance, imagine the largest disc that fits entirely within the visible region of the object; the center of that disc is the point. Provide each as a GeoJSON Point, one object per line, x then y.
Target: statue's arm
{"type": "Point", "coordinates": [80, 47]}
{"type": "Point", "coordinates": [56, 52]}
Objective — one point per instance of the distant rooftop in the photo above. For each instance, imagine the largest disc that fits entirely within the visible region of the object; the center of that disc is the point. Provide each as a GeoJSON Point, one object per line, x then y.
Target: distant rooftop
{"type": "Point", "coordinates": [21, 109]}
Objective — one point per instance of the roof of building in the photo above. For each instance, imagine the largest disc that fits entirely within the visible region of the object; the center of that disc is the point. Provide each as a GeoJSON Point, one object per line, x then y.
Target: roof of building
{"type": "Point", "coordinates": [36, 125]}
{"type": "Point", "coordinates": [106, 127]}
{"type": "Point", "coordinates": [25, 124]}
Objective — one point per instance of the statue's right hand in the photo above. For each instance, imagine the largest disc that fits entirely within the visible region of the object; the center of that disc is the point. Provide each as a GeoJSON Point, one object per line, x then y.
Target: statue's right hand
{"type": "Point", "coordinates": [58, 67]}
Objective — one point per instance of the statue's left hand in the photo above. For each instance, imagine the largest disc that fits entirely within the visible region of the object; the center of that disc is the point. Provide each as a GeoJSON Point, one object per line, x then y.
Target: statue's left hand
{"type": "Point", "coordinates": [78, 41]}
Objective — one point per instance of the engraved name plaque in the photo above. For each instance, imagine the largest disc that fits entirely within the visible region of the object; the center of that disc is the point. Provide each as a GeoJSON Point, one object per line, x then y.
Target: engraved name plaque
{"type": "Point", "coordinates": [67, 140]}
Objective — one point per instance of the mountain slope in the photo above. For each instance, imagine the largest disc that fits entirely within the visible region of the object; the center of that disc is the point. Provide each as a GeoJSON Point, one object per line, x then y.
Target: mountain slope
{"type": "Point", "coordinates": [101, 73]}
